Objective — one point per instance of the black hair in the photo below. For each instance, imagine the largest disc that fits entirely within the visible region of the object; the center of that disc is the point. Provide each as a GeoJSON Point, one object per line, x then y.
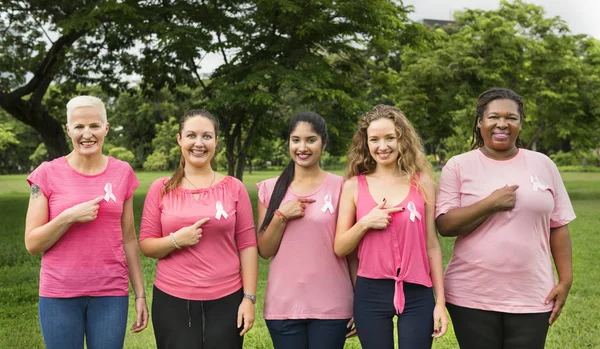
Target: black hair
{"type": "Point", "coordinates": [319, 126]}
{"type": "Point", "coordinates": [482, 102]}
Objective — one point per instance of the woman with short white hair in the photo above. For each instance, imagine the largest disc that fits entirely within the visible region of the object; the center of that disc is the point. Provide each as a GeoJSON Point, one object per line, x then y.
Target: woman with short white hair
{"type": "Point", "coordinates": [80, 216]}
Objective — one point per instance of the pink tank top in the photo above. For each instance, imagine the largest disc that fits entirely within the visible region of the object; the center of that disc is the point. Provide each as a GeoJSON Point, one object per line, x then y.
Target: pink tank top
{"type": "Point", "coordinates": [398, 252]}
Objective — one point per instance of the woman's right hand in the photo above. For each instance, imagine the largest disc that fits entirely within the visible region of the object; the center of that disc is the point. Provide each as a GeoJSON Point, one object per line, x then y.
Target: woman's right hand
{"type": "Point", "coordinates": [379, 217]}
{"type": "Point", "coordinates": [84, 212]}
{"type": "Point", "coordinates": [190, 235]}
{"type": "Point", "coordinates": [503, 199]}
{"type": "Point", "coordinates": [295, 208]}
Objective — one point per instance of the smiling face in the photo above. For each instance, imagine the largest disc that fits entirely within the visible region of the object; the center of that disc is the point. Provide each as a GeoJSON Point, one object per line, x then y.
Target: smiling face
{"type": "Point", "coordinates": [87, 130]}
{"type": "Point", "coordinates": [500, 125]}
{"type": "Point", "coordinates": [305, 145]}
{"type": "Point", "coordinates": [198, 141]}
{"type": "Point", "coordinates": [382, 140]}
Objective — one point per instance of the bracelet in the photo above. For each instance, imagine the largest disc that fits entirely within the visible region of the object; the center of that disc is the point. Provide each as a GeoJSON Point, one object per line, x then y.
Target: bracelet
{"type": "Point", "coordinates": [284, 219]}
{"type": "Point", "coordinates": [174, 242]}
{"type": "Point", "coordinates": [250, 297]}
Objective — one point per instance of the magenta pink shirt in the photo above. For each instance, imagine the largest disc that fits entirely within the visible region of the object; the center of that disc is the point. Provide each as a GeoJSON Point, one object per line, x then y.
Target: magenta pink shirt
{"type": "Point", "coordinates": [210, 269]}
{"type": "Point", "coordinates": [398, 252]}
{"type": "Point", "coordinates": [505, 264]}
{"type": "Point", "coordinates": [88, 260]}
{"type": "Point", "coordinates": [306, 279]}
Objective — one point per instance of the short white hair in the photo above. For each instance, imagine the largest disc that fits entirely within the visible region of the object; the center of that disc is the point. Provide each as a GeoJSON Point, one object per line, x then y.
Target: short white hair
{"type": "Point", "coordinates": [86, 101]}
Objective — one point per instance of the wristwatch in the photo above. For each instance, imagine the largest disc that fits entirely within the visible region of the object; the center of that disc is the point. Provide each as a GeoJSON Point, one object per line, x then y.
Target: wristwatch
{"type": "Point", "coordinates": [250, 297]}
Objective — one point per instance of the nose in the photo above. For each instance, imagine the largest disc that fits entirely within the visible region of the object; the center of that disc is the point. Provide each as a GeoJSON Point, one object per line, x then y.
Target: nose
{"type": "Point", "coordinates": [303, 145]}
{"type": "Point", "coordinates": [502, 123]}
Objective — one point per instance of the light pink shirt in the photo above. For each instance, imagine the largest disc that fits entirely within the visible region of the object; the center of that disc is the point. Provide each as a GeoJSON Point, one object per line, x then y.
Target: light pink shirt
{"type": "Point", "coordinates": [88, 260]}
{"type": "Point", "coordinates": [398, 252]}
{"type": "Point", "coordinates": [306, 279]}
{"type": "Point", "coordinates": [210, 269]}
{"type": "Point", "coordinates": [505, 264]}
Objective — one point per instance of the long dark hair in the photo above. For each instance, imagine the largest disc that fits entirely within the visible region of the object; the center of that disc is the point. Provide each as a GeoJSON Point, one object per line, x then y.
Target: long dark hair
{"type": "Point", "coordinates": [177, 176]}
{"type": "Point", "coordinates": [287, 176]}
{"type": "Point", "coordinates": [482, 103]}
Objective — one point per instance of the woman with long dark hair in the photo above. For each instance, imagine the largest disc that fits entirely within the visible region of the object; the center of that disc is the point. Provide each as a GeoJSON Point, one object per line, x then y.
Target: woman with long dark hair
{"type": "Point", "coordinates": [308, 302]}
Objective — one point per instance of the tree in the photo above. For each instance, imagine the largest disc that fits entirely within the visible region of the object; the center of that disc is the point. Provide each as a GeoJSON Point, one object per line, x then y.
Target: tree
{"type": "Point", "coordinates": [73, 42]}
{"type": "Point", "coordinates": [270, 49]}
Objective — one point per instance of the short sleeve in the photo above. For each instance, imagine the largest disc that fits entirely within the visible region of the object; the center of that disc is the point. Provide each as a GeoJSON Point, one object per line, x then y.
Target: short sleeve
{"type": "Point", "coordinates": [39, 177]}
{"type": "Point", "coordinates": [132, 182]}
{"type": "Point", "coordinates": [563, 212]}
{"type": "Point", "coordinates": [448, 196]}
{"type": "Point", "coordinates": [245, 235]}
{"type": "Point", "coordinates": [264, 195]}
{"type": "Point", "coordinates": [151, 226]}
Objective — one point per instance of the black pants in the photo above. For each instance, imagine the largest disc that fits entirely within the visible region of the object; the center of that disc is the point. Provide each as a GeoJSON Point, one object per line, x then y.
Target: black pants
{"type": "Point", "coordinates": [476, 329]}
{"type": "Point", "coordinates": [374, 311]}
{"type": "Point", "coordinates": [184, 324]}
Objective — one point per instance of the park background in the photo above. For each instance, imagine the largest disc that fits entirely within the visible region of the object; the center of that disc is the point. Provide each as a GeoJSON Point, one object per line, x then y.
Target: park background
{"type": "Point", "coordinates": [147, 60]}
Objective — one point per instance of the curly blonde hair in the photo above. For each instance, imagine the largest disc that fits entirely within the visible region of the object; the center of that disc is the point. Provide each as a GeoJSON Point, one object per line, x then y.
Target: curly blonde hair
{"type": "Point", "coordinates": [412, 159]}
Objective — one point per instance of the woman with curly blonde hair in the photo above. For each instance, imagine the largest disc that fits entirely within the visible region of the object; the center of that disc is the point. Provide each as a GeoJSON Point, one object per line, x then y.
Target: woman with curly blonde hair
{"type": "Point", "coordinates": [387, 212]}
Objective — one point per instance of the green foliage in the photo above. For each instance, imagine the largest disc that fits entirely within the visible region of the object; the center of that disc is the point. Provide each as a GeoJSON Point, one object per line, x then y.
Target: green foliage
{"type": "Point", "coordinates": [7, 137]}
{"type": "Point", "coordinates": [156, 161]}
{"type": "Point", "coordinates": [575, 158]}
{"type": "Point", "coordinates": [122, 154]}
{"type": "Point", "coordinates": [578, 168]}
{"type": "Point", "coordinates": [39, 155]}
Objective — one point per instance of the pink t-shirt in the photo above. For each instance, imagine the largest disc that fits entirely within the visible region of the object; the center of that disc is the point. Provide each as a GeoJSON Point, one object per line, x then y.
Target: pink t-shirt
{"type": "Point", "coordinates": [306, 279]}
{"type": "Point", "coordinates": [88, 260]}
{"type": "Point", "coordinates": [210, 269]}
{"type": "Point", "coordinates": [398, 252]}
{"type": "Point", "coordinates": [505, 264]}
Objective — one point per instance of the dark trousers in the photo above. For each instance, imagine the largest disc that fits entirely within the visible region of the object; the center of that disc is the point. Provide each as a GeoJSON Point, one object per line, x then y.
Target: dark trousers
{"type": "Point", "coordinates": [374, 312]}
{"type": "Point", "coordinates": [308, 333]}
{"type": "Point", "coordinates": [184, 324]}
{"type": "Point", "coordinates": [475, 329]}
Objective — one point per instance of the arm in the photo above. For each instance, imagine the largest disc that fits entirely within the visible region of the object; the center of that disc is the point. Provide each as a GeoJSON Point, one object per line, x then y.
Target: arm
{"type": "Point", "coordinates": [249, 262]}
{"type": "Point", "coordinates": [348, 232]}
{"type": "Point", "coordinates": [132, 255]}
{"type": "Point", "coordinates": [352, 260]}
{"type": "Point", "coordinates": [41, 234]}
{"type": "Point", "coordinates": [464, 220]}
{"type": "Point", "coordinates": [270, 238]}
{"type": "Point", "coordinates": [560, 245]}
{"type": "Point", "coordinates": [434, 254]}
{"type": "Point", "coordinates": [161, 247]}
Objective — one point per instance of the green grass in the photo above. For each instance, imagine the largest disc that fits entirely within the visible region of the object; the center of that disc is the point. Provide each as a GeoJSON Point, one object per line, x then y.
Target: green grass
{"type": "Point", "coordinates": [578, 326]}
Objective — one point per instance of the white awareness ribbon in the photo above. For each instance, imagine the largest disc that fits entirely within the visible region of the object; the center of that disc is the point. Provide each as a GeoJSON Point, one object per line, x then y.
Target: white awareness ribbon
{"type": "Point", "coordinates": [220, 211]}
{"type": "Point", "coordinates": [537, 184]}
{"type": "Point", "coordinates": [413, 211]}
{"type": "Point", "coordinates": [327, 205]}
{"type": "Point", "coordinates": [109, 194]}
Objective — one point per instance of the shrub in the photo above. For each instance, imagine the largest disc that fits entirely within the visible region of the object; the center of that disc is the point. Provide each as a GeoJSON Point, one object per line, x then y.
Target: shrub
{"type": "Point", "coordinates": [122, 154]}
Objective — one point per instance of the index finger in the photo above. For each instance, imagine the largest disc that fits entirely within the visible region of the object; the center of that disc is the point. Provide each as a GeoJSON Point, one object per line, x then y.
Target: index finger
{"type": "Point", "coordinates": [200, 222]}
{"type": "Point", "coordinates": [97, 200]}
{"type": "Point", "coordinates": [393, 209]}
{"type": "Point", "coordinates": [306, 200]}
{"type": "Point", "coordinates": [513, 187]}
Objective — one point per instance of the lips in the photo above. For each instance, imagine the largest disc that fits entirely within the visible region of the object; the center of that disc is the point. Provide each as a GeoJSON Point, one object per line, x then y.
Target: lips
{"type": "Point", "coordinates": [500, 136]}
{"type": "Point", "coordinates": [87, 143]}
{"type": "Point", "coordinates": [196, 152]}
{"type": "Point", "coordinates": [303, 156]}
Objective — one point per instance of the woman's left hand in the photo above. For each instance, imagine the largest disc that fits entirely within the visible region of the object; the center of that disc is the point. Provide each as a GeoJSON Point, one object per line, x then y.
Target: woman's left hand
{"type": "Point", "coordinates": [559, 295]}
{"type": "Point", "coordinates": [245, 315]}
{"type": "Point", "coordinates": [141, 320]}
{"type": "Point", "coordinates": [440, 320]}
{"type": "Point", "coordinates": [352, 328]}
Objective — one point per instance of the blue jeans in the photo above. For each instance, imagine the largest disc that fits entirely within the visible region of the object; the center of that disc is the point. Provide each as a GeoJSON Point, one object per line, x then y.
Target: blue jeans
{"type": "Point", "coordinates": [65, 322]}
{"type": "Point", "coordinates": [308, 333]}
{"type": "Point", "coordinates": [374, 311]}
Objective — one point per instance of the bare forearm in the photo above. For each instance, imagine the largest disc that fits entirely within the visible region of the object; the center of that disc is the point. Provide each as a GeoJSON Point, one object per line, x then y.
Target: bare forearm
{"type": "Point", "coordinates": [40, 239]}
{"type": "Point", "coordinates": [560, 245]}
{"type": "Point", "coordinates": [157, 247]}
{"type": "Point", "coordinates": [249, 263]}
{"type": "Point", "coordinates": [270, 239]}
{"type": "Point", "coordinates": [347, 241]}
{"type": "Point", "coordinates": [134, 265]}
{"type": "Point", "coordinates": [463, 220]}
{"type": "Point", "coordinates": [437, 272]}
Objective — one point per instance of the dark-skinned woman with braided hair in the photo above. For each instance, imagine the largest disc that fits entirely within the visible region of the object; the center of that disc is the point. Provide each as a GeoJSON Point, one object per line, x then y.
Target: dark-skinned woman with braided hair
{"type": "Point", "coordinates": [509, 211]}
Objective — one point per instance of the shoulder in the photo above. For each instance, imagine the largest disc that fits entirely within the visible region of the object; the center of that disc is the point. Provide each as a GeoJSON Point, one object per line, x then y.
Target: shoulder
{"type": "Point", "coordinates": [159, 184]}
{"type": "Point", "coordinates": [534, 155]}
{"type": "Point", "coordinates": [464, 157]}
{"type": "Point", "coordinates": [351, 184]}
{"type": "Point", "coordinates": [335, 178]}
{"type": "Point", "coordinates": [268, 184]}
{"type": "Point", "coordinates": [119, 164]}
{"type": "Point", "coordinates": [425, 180]}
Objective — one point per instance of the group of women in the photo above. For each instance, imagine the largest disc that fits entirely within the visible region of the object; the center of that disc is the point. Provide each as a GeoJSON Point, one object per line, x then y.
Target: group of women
{"type": "Point", "coordinates": [347, 254]}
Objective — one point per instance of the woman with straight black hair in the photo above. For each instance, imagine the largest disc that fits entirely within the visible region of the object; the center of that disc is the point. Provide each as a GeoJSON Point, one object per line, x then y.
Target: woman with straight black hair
{"type": "Point", "coordinates": [308, 302]}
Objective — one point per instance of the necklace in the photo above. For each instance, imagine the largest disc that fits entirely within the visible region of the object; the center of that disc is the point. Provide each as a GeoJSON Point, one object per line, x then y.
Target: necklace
{"type": "Point", "coordinates": [211, 182]}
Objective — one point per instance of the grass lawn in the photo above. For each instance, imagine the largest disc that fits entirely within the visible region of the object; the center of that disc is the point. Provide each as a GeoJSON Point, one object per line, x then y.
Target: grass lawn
{"type": "Point", "coordinates": [578, 326]}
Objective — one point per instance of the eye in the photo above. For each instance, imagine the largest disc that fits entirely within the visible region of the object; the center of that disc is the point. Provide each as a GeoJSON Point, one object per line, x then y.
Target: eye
{"type": "Point", "coordinates": [295, 140]}
{"type": "Point", "coordinates": [514, 118]}
{"type": "Point", "coordinates": [207, 137]}
{"type": "Point", "coordinates": [191, 135]}
{"type": "Point", "coordinates": [312, 140]}
{"type": "Point", "coordinates": [391, 138]}
{"type": "Point", "coordinates": [95, 126]}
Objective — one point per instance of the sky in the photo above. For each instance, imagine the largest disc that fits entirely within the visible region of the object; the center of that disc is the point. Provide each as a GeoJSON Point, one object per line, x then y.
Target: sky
{"type": "Point", "coordinates": [582, 16]}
